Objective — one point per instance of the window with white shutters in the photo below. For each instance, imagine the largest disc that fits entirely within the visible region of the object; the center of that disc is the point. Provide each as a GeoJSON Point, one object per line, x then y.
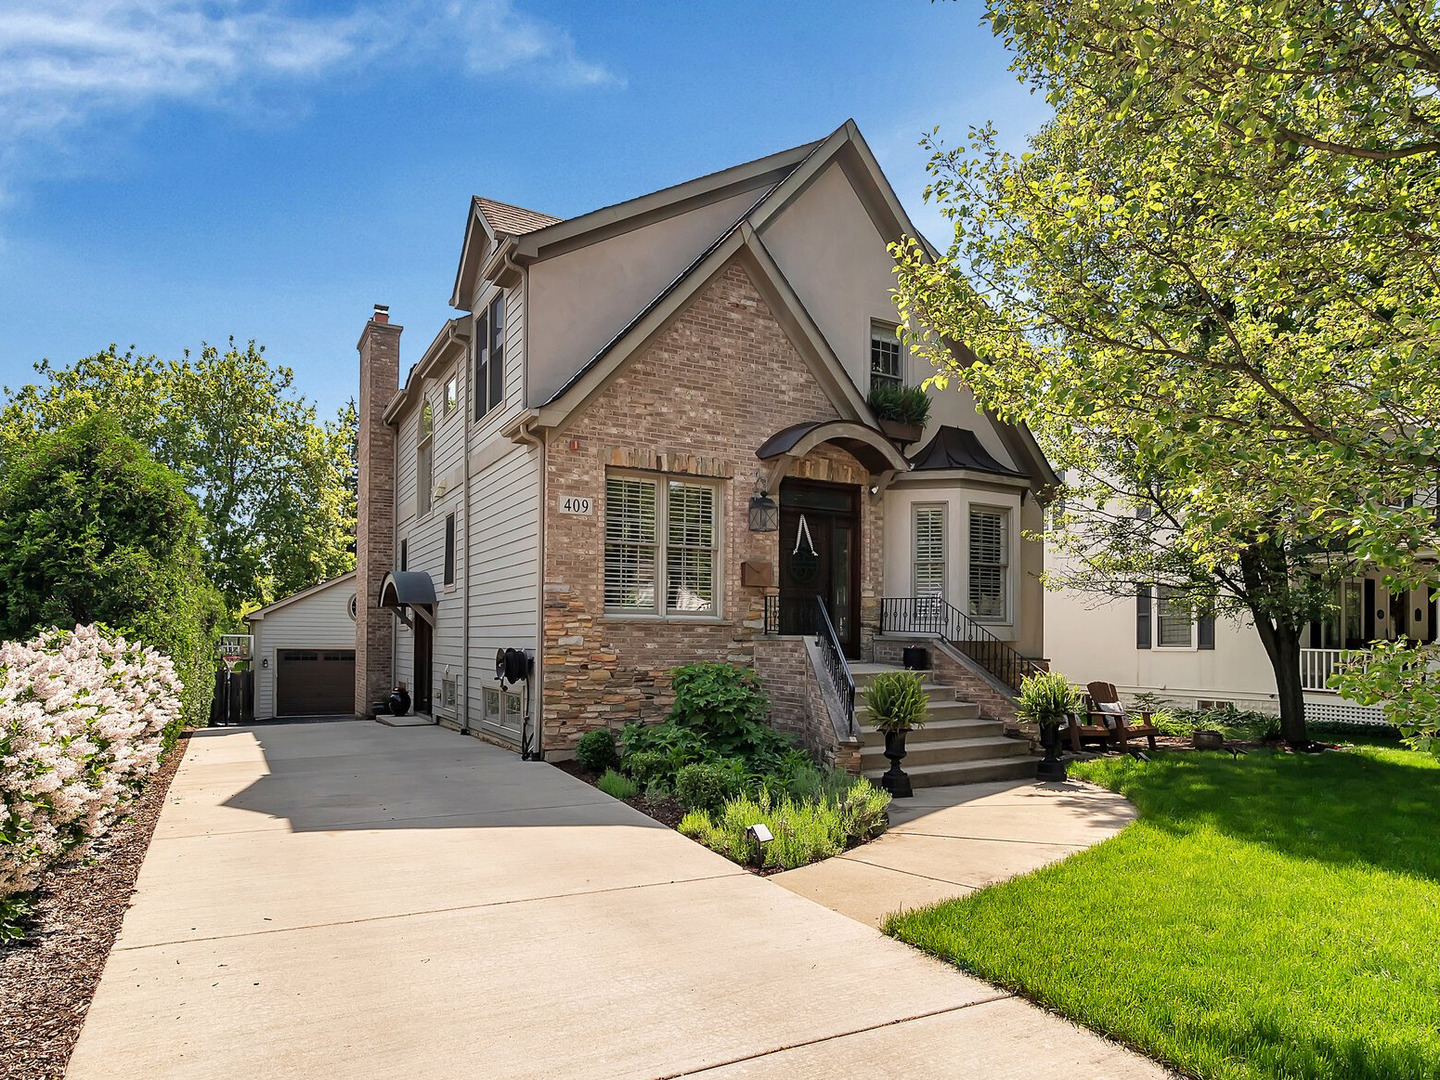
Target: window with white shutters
{"type": "Point", "coordinates": [989, 562]}
{"type": "Point", "coordinates": [1174, 622]}
{"type": "Point", "coordinates": [662, 534]}
{"type": "Point", "coordinates": [930, 550]}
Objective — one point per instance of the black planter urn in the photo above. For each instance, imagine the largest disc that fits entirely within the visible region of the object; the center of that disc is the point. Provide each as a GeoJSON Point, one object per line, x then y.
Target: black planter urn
{"type": "Point", "coordinates": [895, 780]}
{"type": "Point", "coordinates": [399, 701]}
{"type": "Point", "coordinates": [1052, 766]}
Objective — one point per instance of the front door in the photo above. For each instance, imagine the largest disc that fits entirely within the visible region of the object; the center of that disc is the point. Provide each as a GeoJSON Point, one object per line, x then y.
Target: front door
{"type": "Point", "coordinates": [424, 653]}
{"type": "Point", "coordinates": [820, 556]}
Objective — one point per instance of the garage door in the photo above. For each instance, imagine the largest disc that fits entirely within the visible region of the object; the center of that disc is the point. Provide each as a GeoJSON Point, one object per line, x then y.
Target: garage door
{"type": "Point", "coordinates": [315, 682]}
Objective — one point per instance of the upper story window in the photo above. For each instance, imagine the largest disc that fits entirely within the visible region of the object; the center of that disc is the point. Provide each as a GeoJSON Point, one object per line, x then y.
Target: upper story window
{"type": "Point", "coordinates": [489, 347]}
{"type": "Point", "coordinates": [885, 365]}
{"type": "Point", "coordinates": [424, 461]}
{"type": "Point", "coordinates": [930, 550]}
{"type": "Point", "coordinates": [452, 393]}
{"type": "Point", "coordinates": [661, 546]}
{"type": "Point", "coordinates": [989, 563]}
{"type": "Point", "coordinates": [449, 549]}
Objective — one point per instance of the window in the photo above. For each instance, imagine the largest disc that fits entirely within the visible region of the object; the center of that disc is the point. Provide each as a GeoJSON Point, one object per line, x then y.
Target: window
{"type": "Point", "coordinates": [449, 549]}
{"type": "Point", "coordinates": [452, 394]}
{"type": "Point", "coordinates": [930, 550]}
{"type": "Point", "coordinates": [885, 369]}
{"type": "Point", "coordinates": [424, 465]}
{"type": "Point", "coordinates": [492, 704]}
{"type": "Point", "coordinates": [637, 548]}
{"type": "Point", "coordinates": [404, 554]}
{"type": "Point", "coordinates": [989, 563]}
{"type": "Point", "coordinates": [489, 346]}
{"type": "Point", "coordinates": [514, 710]}
{"type": "Point", "coordinates": [447, 693]}
{"type": "Point", "coordinates": [1174, 622]}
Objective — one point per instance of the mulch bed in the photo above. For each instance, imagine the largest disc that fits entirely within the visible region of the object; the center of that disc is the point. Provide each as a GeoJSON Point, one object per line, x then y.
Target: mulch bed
{"type": "Point", "coordinates": [666, 811]}
{"type": "Point", "coordinates": [47, 982]}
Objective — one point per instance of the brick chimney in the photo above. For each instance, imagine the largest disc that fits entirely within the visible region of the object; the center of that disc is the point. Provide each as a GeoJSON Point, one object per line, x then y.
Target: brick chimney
{"type": "Point", "coordinates": [379, 347]}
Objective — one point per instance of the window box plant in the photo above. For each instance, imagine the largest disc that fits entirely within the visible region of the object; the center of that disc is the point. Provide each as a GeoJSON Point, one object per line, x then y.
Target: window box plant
{"type": "Point", "coordinates": [1047, 699]}
{"type": "Point", "coordinates": [898, 703]}
{"type": "Point", "coordinates": [900, 410]}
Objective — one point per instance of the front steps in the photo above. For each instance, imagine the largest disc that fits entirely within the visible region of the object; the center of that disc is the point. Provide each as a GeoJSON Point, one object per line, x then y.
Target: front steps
{"type": "Point", "coordinates": [956, 745]}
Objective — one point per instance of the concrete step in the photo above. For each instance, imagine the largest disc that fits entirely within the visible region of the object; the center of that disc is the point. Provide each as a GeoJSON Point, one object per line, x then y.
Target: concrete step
{"type": "Point", "coordinates": [961, 727]}
{"type": "Point", "coordinates": [937, 712]}
{"type": "Point", "coordinates": [939, 751]}
{"type": "Point", "coordinates": [982, 771]}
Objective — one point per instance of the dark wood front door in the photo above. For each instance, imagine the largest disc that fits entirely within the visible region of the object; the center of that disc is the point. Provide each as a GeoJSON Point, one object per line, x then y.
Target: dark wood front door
{"type": "Point", "coordinates": [820, 556]}
{"type": "Point", "coordinates": [424, 653]}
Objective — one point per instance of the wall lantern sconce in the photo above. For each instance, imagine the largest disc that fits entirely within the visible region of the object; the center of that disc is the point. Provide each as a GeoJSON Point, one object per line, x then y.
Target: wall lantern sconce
{"type": "Point", "coordinates": [764, 514]}
{"type": "Point", "coordinates": [265, 663]}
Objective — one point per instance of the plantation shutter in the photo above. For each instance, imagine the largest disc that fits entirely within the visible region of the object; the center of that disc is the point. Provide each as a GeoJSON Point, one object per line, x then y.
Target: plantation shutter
{"type": "Point", "coordinates": [1142, 617]}
{"type": "Point", "coordinates": [930, 551]}
{"type": "Point", "coordinates": [690, 548]}
{"type": "Point", "coordinates": [988, 555]}
{"type": "Point", "coordinates": [1205, 632]}
{"type": "Point", "coordinates": [630, 544]}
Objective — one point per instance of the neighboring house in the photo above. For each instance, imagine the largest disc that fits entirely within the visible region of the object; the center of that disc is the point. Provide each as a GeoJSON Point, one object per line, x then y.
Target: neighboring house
{"type": "Point", "coordinates": [645, 442]}
{"type": "Point", "coordinates": [1143, 644]}
{"type": "Point", "coordinates": [304, 653]}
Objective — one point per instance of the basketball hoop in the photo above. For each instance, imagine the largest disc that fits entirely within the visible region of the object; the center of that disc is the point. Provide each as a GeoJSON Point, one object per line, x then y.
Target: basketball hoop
{"type": "Point", "coordinates": [236, 649]}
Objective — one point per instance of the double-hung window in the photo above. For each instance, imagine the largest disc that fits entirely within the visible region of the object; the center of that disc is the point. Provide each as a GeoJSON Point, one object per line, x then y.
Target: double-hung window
{"type": "Point", "coordinates": [489, 348]}
{"type": "Point", "coordinates": [449, 549]}
{"type": "Point", "coordinates": [424, 461]}
{"type": "Point", "coordinates": [989, 563]}
{"type": "Point", "coordinates": [930, 550]}
{"type": "Point", "coordinates": [885, 357]}
{"type": "Point", "coordinates": [1174, 621]}
{"type": "Point", "coordinates": [661, 546]}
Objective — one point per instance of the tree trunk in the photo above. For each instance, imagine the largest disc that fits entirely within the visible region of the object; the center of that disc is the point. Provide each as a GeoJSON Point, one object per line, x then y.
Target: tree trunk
{"type": "Point", "coordinates": [1282, 646]}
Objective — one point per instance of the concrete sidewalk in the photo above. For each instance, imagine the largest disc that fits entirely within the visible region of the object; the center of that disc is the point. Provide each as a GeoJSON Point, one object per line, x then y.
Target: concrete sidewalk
{"type": "Point", "coordinates": [357, 901]}
{"type": "Point", "coordinates": [949, 841]}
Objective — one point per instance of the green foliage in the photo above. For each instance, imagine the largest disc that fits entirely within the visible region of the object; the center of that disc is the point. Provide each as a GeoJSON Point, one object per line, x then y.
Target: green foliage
{"type": "Point", "coordinates": [901, 404]}
{"type": "Point", "coordinates": [726, 706]}
{"type": "Point", "coordinates": [1324, 865]}
{"type": "Point", "coordinates": [657, 790]}
{"type": "Point", "coordinates": [1399, 677]}
{"type": "Point", "coordinates": [596, 750]}
{"type": "Point", "coordinates": [15, 916]}
{"type": "Point", "coordinates": [804, 832]}
{"type": "Point", "coordinates": [1247, 724]}
{"type": "Point", "coordinates": [1047, 697]}
{"type": "Point", "coordinates": [93, 530]}
{"type": "Point", "coordinates": [275, 487]}
{"type": "Point", "coordinates": [897, 701]}
{"type": "Point", "coordinates": [617, 786]}
{"type": "Point", "coordinates": [708, 786]}
{"type": "Point", "coordinates": [648, 766]}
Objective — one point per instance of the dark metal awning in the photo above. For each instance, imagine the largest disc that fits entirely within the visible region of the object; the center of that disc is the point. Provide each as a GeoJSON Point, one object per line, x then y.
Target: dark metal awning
{"type": "Point", "coordinates": [959, 448]}
{"type": "Point", "coordinates": [868, 446]}
{"type": "Point", "coordinates": [406, 588]}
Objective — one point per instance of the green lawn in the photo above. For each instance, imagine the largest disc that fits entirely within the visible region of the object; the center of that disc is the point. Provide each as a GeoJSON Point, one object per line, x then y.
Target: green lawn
{"type": "Point", "coordinates": [1275, 916]}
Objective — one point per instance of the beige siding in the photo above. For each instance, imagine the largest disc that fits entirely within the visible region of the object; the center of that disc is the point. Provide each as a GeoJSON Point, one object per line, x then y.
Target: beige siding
{"type": "Point", "coordinates": [318, 621]}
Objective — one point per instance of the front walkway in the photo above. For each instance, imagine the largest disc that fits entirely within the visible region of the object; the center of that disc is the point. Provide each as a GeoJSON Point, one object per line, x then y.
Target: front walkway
{"type": "Point", "coordinates": [353, 900]}
{"type": "Point", "coordinates": [950, 841]}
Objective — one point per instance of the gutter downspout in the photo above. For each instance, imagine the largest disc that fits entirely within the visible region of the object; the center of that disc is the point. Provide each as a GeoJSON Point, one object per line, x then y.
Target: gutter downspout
{"type": "Point", "coordinates": [465, 546]}
{"type": "Point", "coordinates": [537, 677]}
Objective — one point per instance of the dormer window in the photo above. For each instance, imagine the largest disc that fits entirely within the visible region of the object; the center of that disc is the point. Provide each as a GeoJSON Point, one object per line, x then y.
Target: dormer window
{"type": "Point", "coordinates": [885, 366]}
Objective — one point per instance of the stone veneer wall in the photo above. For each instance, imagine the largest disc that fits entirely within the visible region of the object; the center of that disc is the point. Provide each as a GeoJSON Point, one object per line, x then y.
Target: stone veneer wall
{"type": "Point", "coordinates": [700, 399]}
{"type": "Point", "coordinates": [379, 348]}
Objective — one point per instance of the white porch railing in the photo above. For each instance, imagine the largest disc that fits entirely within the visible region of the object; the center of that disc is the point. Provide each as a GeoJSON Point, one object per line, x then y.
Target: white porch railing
{"type": "Point", "coordinates": [1316, 666]}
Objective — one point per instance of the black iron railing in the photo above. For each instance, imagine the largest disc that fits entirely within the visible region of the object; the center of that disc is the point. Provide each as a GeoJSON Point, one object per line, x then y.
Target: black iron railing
{"type": "Point", "coordinates": [933, 615]}
{"type": "Point", "coordinates": [772, 614]}
{"type": "Point", "coordinates": [833, 658]}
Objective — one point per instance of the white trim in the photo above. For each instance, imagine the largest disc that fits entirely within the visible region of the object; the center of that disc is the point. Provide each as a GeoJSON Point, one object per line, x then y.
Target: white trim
{"type": "Point", "coordinates": [260, 613]}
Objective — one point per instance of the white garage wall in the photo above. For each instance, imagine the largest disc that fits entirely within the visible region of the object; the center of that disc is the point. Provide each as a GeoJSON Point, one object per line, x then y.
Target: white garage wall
{"type": "Point", "coordinates": [317, 620]}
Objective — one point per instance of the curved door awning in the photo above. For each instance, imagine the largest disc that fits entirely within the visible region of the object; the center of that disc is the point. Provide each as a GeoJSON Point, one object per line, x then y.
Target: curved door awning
{"type": "Point", "coordinates": [865, 444]}
{"type": "Point", "coordinates": [402, 589]}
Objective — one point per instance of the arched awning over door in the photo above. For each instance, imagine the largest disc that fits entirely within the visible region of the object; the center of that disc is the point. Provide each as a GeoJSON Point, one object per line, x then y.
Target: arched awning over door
{"type": "Point", "coordinates": [408, 589]}
{"type": "Point", "coordinates": [865, 444]}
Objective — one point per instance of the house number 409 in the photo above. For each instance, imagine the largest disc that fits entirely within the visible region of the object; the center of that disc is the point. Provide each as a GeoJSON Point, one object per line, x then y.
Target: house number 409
{"type": "Point", "coordinates": [574, 504]}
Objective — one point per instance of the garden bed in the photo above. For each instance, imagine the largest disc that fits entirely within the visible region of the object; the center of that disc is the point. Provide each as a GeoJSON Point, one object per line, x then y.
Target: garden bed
{"type": "Point", "coordinates": [48, 980]}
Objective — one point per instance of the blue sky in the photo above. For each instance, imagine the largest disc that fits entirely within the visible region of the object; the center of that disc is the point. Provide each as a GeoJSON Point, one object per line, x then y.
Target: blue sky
{"type": "Point", "coordinates": [173, 171]}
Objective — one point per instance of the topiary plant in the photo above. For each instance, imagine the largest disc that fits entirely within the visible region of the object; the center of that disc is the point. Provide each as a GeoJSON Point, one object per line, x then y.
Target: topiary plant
{"type": "Point", "coordinates": [897, 701]}
{"type": "Point", "coordinates": [596, 750]}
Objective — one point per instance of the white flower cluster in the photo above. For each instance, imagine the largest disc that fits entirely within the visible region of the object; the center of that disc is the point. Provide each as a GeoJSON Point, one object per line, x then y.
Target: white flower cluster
{"type": "Point", "coordinates": [81, 722]}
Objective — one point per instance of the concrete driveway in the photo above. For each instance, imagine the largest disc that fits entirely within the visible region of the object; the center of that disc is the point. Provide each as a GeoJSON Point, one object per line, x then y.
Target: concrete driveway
{"type": "Point", "coordinates": [352, 901]}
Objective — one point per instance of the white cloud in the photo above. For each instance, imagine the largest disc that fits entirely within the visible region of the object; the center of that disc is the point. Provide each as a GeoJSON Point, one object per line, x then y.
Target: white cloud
{"type": "Point", "coordinates": [66, 62]}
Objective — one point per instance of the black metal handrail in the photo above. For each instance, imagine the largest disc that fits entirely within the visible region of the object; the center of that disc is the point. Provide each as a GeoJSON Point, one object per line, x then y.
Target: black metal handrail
{"type": "Point", "coordinates": [934, 615]}
{"type": "Point", "coordinates": [772, 614]}
{"type": "Point", "coordinates": [833, 657]}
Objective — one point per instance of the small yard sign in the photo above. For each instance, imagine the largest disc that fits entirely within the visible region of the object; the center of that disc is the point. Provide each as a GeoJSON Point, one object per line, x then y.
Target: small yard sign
{"type": "Point", "coordinates": [576, 504]}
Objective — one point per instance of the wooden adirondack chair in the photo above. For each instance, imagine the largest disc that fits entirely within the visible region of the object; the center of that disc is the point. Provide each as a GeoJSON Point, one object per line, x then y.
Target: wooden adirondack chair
{"type": "Point", "coordinates": [1081, 730]}
{"type": "Point", "coordinates": [1124, 728]}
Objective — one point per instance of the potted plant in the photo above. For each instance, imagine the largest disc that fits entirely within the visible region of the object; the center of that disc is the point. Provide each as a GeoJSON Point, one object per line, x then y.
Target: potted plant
{"type": "Point", "coordinates": [897, 702]}
{"type": "Point", "coordinates": [1047, 699]}
{"type": "Point", "coordinates": [901, 410]}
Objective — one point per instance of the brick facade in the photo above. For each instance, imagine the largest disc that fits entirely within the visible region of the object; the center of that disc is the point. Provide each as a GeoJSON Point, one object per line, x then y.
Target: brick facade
{"type": "Point", "coordinates": [698, 401]}
{"type": "Point", "coordinates": [375, 527]}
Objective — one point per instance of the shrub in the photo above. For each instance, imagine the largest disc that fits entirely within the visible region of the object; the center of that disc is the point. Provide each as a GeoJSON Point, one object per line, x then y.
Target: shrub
{"type": "Point", "coordinates": [727, 708]}
{"type": "Point", "coordinates": [657, 790]}
{"type": "Point", "coordinates": [901, 404]}
{"type": "Point", "coordinates": [706, 787]}
{"type": "Point", "coordinates": [1047, 697]}
{"type": "Point", "coordinates": [674, 745]}
{"type": "Point", "coordinates": [84, 722]}
{"type": "Point", "coordinates": [897, 701]}
{"type": "Point", "coordinates": [617, 786]}
{"type": "Point", "coordinates": [648, 767]}
{"type": "Point", "coordinates": [596, 750]}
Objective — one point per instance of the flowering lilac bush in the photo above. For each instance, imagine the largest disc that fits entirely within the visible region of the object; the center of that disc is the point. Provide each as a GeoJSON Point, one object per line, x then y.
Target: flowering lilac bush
{"type": "Point", "coordinates": [82, 720]}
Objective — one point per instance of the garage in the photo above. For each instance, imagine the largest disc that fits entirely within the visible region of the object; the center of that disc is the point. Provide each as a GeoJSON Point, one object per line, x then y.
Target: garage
{"type": "Point", "coordinates": [314, 682]}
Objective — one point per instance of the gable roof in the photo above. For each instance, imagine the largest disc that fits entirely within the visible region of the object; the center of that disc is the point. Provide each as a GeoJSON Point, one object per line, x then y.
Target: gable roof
{"type": "Point", "coordinates": [260, 613]}
{"type": "Point", "coordinates": [510, 220]}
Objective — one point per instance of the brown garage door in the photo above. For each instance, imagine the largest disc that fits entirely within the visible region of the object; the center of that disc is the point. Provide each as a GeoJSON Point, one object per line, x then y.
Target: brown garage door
{"type": "Point", "coordinates": [315, 682]}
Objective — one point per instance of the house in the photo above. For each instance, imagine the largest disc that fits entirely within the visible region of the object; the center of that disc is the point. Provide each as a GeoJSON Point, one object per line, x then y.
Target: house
{"type": "Point", "coordinates": [304, 651]}
{"type": "Point", "coordinates": [1144, 644]}
{"type": "Point", "coordinates": [644, 441]}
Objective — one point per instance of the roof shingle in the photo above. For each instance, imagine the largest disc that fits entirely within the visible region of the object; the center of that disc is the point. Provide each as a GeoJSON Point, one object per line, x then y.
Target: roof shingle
{"type": "Point", "coordinates": [512, 220]}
